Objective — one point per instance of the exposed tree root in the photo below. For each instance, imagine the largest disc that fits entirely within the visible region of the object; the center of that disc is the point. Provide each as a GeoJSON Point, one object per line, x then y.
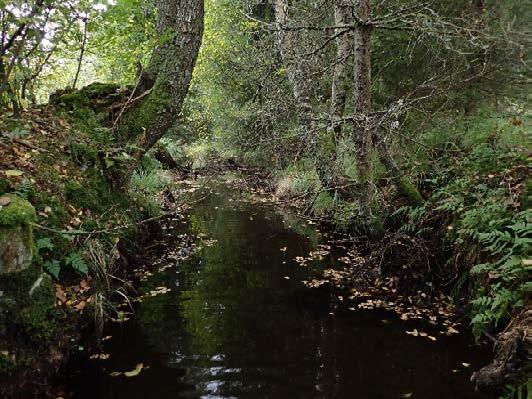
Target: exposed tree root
{"type": "Point", "coordinates": [513, 353]}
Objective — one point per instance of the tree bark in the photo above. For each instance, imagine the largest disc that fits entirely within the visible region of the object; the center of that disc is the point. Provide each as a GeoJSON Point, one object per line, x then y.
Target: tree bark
{"type": "Point", "coordinates": [168, 76]}
{"type": "Point", "coordinates": [343, 52]}
{"type": "Point", "coordinates": [363, 104]}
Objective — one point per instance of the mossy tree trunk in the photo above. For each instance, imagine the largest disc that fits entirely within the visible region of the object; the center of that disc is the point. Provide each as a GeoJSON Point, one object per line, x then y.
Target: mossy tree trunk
{"type": "Point", "coordinates": [363, 104]}
{"type": "Point", "coordinates": [366, 135]}
{"type": "Point", "coordinates": [404, 186]}
{"type": "Point", "coordinates": [167, 78]}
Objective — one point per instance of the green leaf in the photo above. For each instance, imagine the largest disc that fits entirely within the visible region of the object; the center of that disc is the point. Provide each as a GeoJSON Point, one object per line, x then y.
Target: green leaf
{"type": "Point", "coordinates": [53, 267]}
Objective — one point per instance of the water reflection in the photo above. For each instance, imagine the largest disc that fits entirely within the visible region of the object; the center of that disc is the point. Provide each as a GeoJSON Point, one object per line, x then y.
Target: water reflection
{"type": "Point", "coordinates": [235, 326]}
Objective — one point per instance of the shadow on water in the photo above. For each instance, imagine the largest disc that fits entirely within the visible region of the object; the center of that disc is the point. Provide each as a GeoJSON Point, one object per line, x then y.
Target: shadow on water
{"type": "Point", "coordinates": [239, 323]}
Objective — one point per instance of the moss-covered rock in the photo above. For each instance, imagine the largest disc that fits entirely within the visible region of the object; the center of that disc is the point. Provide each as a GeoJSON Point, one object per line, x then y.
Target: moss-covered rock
{"type": "Point", "coordinates": [82, 98]}
{"type": "Point", "coordinates": [16, 236]}
{"type": "Point", "coordinates": [18, 211]}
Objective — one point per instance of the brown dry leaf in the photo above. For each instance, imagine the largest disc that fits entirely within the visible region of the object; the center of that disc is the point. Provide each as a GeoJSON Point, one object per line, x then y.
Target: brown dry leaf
{"type": "Point", "coordinates": [60, 294]}
{"type": "Point", "coordinates": [5, 201]}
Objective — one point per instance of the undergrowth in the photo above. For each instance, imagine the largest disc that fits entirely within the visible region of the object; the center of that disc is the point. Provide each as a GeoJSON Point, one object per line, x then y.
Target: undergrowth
{"type": "Point", "coordinates": [479, 181]}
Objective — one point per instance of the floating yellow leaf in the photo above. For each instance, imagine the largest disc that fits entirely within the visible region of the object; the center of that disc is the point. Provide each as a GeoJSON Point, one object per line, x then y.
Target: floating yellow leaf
{"type": "Point", "coordinates": [134, 373]}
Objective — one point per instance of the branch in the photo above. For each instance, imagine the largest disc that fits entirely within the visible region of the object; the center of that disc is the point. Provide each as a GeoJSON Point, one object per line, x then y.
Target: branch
{"type": "Point", "coordinates": [20, 30]}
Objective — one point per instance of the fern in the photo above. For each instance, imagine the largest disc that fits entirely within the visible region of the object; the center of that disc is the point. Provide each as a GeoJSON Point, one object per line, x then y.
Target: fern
{"type": "Point", "coordinates": [52, 267]}
{"type": "Point", "coordinates": [25, 189]}
{"type": "Point", "coordinates": [75, 261]}
{"type": "Point", "coordinates": [44, 243]}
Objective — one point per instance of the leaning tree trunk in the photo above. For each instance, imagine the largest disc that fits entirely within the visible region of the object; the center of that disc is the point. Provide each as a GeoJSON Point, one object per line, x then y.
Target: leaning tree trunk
{"type": "Point", "coordinates": [164, 84]}
{"type": "Point", "coordinates": [363, 103]}
{"type": "Point", "coordinates": [405, 187]}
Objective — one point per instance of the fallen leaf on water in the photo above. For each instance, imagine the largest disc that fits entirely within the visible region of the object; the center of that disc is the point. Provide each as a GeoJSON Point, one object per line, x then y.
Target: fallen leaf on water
{"type": "Point", "coordinates": [466, 364]}
{"type": "Point", "coordinates": [99, 356]}
{"type": "Point", "coordinates": [134, 373]}
{"type": "Point", "coordinates": [407, 395]}
{"type": "Point", "coordinates": [451, 330]}
{"type": "Point", "coordinates": [283, 249]}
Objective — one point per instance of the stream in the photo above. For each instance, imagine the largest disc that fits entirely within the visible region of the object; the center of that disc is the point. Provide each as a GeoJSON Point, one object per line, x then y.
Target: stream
{"type": "Point", "coordinates": [238, 323]}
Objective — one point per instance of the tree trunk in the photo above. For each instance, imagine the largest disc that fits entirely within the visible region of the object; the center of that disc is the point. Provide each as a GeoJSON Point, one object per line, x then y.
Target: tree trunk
{"type": "Point", "coordinates": [343, 52]}
{"type": "Point", "coordinates": [288, 42]}
{"type": "Point", "coordinates": [168, 76]}
{"type": "Point", "coordinates": [363, 104]}
{"type": "Point", "coordinates": [81, 52]}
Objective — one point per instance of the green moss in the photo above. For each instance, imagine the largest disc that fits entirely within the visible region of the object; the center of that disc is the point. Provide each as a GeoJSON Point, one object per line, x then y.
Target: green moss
{"type": "Point", "coordinates": [18, 211]}
{"type": "Point", "coordinates": [28, 301]}
{"type": "Point", "coordinates": [77, 99]}
{"type": "Point", "coordinates": [37, 316]}
{"type": "Point", "coordinates": [98, 89]}
{"type": "Point", "coordinates": [147, 112]}
{"type": "Point", "coordinates": [410, 192]}
{"type": "Point", "coordinates": [323, 204]}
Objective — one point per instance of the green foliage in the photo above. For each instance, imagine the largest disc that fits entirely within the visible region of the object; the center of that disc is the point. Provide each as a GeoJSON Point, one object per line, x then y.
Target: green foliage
{"type": "Point", "coordinates": [323, 204]}
{"type": "Point", "coordinates": [46, 247]}
{"type": "Point", "coordinates": [476, 180]}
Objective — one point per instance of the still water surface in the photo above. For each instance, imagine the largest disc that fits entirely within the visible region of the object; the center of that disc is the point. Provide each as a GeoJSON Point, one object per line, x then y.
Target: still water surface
{"type": "Point", "coordinates": [238, 323]}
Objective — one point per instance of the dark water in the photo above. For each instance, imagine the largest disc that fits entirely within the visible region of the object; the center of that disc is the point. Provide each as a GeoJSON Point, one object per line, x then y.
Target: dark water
{"type": "Point", "coordinates": [234, 326]}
